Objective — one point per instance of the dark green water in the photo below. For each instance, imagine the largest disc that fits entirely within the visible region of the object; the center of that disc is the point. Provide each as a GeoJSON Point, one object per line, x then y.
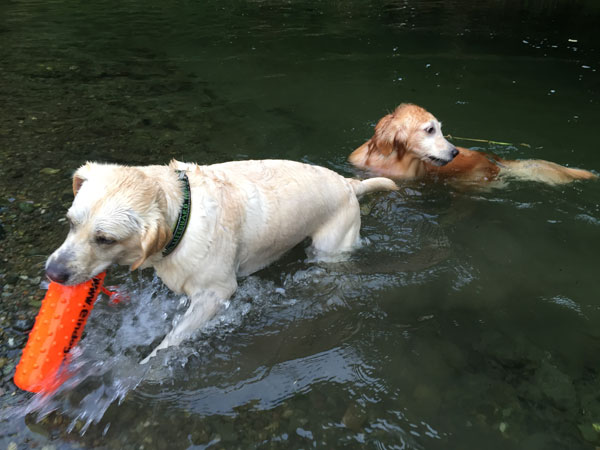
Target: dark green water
{"type": "Point", "coordinates": [470, 320]}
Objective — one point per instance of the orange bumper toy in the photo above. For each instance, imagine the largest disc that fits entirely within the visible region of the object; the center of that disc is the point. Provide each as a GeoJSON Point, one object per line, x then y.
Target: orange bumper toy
{"type": "Point", "coordinates": [58, 328]}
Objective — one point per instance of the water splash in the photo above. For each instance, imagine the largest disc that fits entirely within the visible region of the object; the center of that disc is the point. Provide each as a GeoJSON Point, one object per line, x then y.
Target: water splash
{"type": "Point", "coordinates": [105, 366]}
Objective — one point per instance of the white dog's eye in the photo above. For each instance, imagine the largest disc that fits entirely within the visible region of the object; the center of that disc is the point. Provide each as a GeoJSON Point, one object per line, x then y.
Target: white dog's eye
{"type": "Point", "coordinates": [430, 130]}
{"type": "Point", "coordinates": [103, 240]}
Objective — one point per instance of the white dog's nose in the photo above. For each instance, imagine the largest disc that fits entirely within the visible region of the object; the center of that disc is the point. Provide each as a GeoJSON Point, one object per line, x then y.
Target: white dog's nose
{"type": "Point", "coordinates": [58, 272]}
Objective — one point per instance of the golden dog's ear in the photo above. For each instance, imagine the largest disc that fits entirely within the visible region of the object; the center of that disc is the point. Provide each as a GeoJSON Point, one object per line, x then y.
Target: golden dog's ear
{"type": "Point", "coordinates": [388, 138]}
{"type": "Point", "coordinates": [153, 241]}
{"type": "Point", "coordinates": [381, 142]}
{"type": "Point", "coordinates": [400, 143]}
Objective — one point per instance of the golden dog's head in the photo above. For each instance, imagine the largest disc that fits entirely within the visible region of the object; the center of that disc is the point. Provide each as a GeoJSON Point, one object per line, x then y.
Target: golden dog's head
{"type": "Point", "coordinates": [411, 131]}
{"type": "Point", "coordinates": [118, 216]}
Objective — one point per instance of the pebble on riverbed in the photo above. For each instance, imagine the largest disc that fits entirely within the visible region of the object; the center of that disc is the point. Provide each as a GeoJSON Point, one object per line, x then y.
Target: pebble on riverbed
{"type": "Point", "coordinates": [49, 171]}
{"type": "Point", "coordinates": [354, 417]}
{"type": "Point", "coordinates": [590, 432]}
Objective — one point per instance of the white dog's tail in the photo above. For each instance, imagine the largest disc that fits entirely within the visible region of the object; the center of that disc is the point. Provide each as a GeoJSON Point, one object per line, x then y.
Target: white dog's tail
{"type": "Point", "coordinates": [372, 185]}
{"type": "Point", "coordinates": [544, 171]}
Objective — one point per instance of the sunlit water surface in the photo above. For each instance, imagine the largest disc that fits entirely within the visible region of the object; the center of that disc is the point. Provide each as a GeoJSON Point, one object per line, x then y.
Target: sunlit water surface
{"type": "Point", "coordinates": [468, 318]}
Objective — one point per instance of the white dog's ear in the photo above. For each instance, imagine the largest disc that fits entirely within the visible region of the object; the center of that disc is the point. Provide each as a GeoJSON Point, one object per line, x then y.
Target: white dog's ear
{"type": "Point", "coordinates": [80, 176]}
{"type": "Point", "coordinates": [77, 182]}
{"type": "Point", "coordinates": [158, 234]}
{"type": "Point", "coordinates": [153, 241]}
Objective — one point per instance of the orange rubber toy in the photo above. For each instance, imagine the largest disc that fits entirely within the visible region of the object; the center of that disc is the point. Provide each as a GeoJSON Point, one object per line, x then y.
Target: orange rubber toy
{"type": "Point", "coordinates": [58, 328]}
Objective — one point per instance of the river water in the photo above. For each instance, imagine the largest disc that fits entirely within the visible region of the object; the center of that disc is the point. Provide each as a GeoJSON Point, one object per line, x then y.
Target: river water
{"type": "Point", "coordinates": [468, 320]}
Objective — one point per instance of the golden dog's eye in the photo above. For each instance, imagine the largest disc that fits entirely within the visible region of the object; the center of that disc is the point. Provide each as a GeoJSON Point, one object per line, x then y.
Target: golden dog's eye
{"type": "Point", "coordinates": [103, 240]}
{"type": "Point", "coordinates": [430, 130]}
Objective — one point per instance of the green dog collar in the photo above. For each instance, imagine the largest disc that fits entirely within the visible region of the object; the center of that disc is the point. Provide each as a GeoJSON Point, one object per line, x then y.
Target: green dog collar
{"type": "Point", "coordinates": [184, 215]}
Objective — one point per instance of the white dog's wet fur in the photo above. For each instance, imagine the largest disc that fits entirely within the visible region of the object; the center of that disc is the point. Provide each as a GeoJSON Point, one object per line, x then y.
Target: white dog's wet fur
{"type": "Point", "coordinates": [244, 215]}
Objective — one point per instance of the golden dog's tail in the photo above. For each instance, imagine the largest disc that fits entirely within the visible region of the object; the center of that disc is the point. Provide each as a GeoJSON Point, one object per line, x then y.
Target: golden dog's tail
{"type": "Point", "coordinates": [362, 187]}
{"type": "Point", "coordinates": [544, 171]}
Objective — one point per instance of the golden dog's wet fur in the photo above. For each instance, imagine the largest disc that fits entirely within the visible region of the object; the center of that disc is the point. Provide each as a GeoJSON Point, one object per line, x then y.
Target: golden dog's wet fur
{"type": "Point", "coordinates": [409, 143]}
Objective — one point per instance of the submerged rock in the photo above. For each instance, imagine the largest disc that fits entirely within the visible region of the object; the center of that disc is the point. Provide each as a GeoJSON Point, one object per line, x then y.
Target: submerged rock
{"type": "Point", "coordinates": [354, 417]}
{"type": "Point", "coordinates": [556, 386]}
{"type": "Point", "coordinates": [26, 207]}
{"type": "Point", "coordinates": [427, 398]}
{"type": "Point", "coordinates": [589, 432]}
{"type": "Point", "coordinates": [23, 325]}
{"type": "Point", "coordinates": [227, 432]}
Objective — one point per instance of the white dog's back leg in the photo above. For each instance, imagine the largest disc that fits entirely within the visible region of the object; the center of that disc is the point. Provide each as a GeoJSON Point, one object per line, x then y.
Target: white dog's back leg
{"type": "Point", "coordinates": [340, 233]}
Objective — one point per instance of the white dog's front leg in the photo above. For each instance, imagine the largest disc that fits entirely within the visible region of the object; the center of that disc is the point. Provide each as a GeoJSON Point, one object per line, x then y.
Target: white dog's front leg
{"type": "Point", "coordinates": [203, 307]}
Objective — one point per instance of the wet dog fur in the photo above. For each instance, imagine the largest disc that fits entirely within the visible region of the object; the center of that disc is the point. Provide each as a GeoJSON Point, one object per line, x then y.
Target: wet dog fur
{"type": "Point", "coordinates": [409, 143]}
{"type": "Point", "coordinates": [244, 215]}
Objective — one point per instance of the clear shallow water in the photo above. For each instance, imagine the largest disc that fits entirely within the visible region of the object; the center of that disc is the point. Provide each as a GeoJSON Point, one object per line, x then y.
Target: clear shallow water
{"type": "Point", "coordinates": [467, 320]}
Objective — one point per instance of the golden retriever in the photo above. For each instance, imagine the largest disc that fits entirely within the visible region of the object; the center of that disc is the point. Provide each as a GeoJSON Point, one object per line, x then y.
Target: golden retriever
{"type": "Point", "coordinates": [409, 144]}
{"type": "Point", "coordinates": [243, 216]}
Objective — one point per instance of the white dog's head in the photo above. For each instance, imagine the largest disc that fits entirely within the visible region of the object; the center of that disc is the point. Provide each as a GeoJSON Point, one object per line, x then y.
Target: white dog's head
{"type": "Point", "coordinates": [118, 216]}
{"type": "Point", "coordinates": [410, 129]}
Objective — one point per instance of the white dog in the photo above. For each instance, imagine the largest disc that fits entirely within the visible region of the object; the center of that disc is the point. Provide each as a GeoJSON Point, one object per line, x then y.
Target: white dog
{"type": "Point", "coordinates": [202, 226]}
